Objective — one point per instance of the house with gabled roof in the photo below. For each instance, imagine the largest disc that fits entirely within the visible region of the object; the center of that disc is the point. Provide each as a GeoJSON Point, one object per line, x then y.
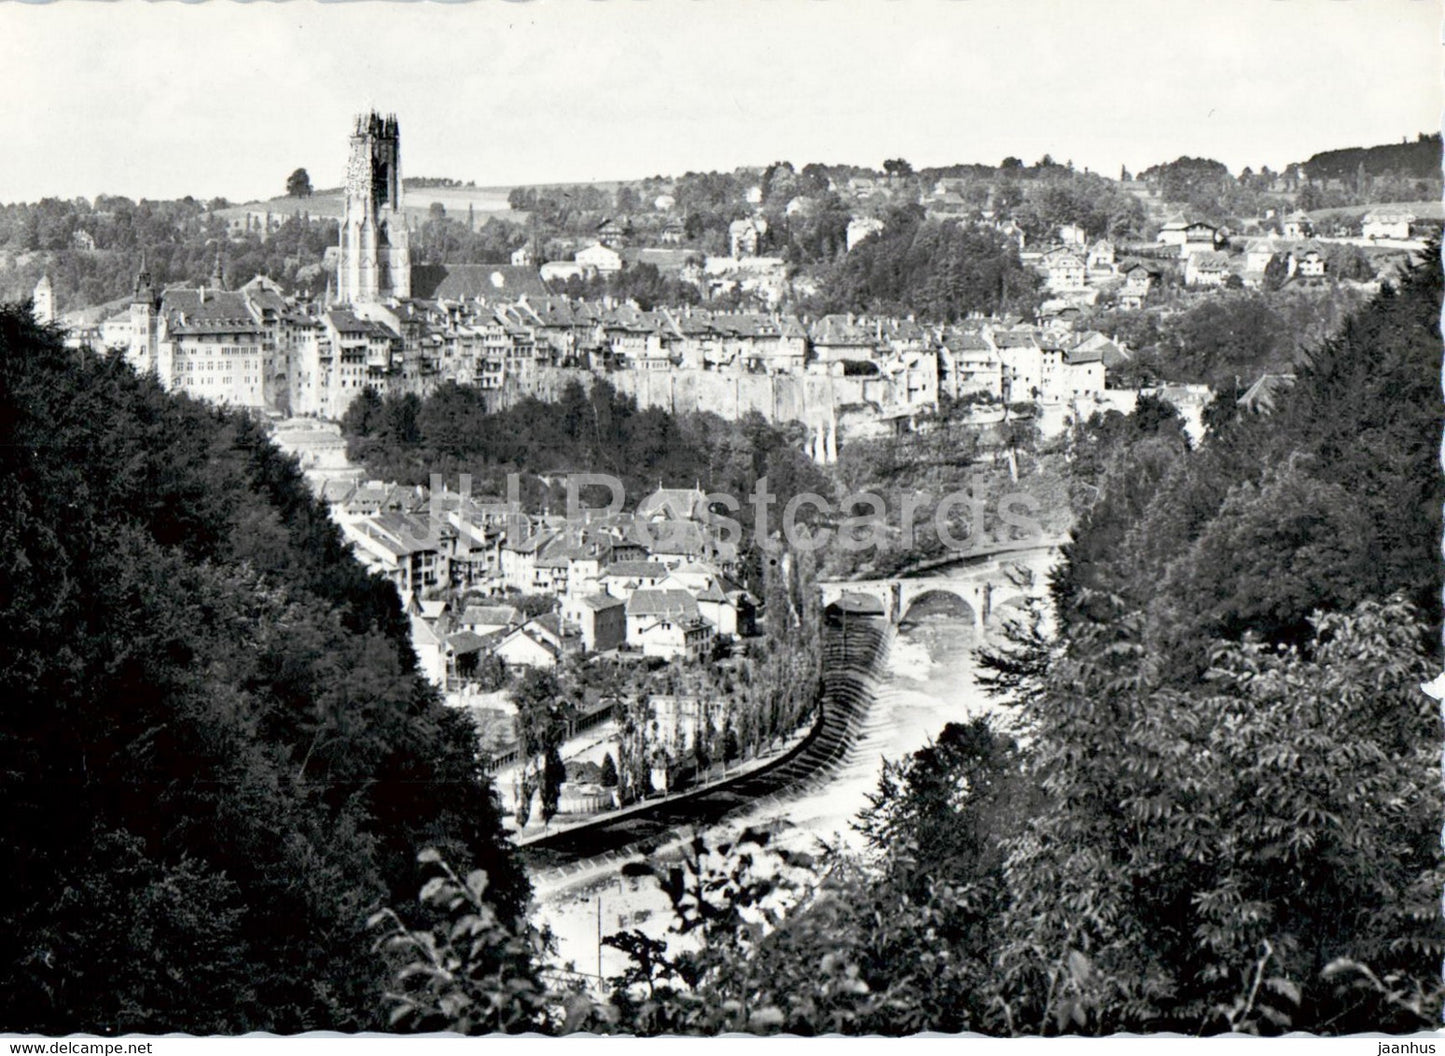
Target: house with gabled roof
{"type": "Point", "coordinates": [719, 599]}
{"type": "Point", "coordinates": [675, 542]}
{"type": "Point", "coordinates": [1207, 268]}
{"type": "Point", "coordinates": [519, 559]}
{"type": "Point", "coordinates": [1101, 257]}
{"type": "Point", "coordinates": [1297, 225]}
{"type": "Point", "coordinates": [1266, 393]}
{"type": "Point", "coordinates": [674, 232]}
{"type": "Point", "coordinates": [622, 578]}
{"type": "Point", "coordinates": [485, 619]}
{"type": "Point", "coordinates": [1191, 236]}
{"type": "Point", "coordinates": [1259, 252]}
{"type": "Point", "coordinates": [861, 227]}
{"type": "Point", "coordinates": [430, 651]}
{"type": "Point", "coordinates": [1387, 224]}
{"type": "Point", "coordinates": [599, 258]}
{"type": "Point", "coordinates": [1138, 281]}
{"type": "Point", "coordinates": [968, 363]}
{"type": "Point", "coordinates": [408, 549]}
{"type": "Point", "coordinates": [667, 624]}
{"type": "Point", "coordinates": [1084, 372]}
{"type": "Point", "coordinates": [677, 504]}
{"type": "Point", "coordinates": [1308, 261]}
{"type": "Point", "coordinates": [614, 231]}
{"type": "Point", "coordinates": [1064, 270]}
{"type": "Point", "coordinates": [744, 236]}
{"type": "Point", "coordinates": [1172, 232]}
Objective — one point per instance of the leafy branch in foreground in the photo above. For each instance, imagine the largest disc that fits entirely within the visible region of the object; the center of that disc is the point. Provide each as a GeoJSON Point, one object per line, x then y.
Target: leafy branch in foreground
{"type": "Point", "coordinates": [471, 972]}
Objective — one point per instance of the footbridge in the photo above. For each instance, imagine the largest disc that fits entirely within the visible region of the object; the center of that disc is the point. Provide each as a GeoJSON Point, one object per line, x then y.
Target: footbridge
{"type": "Point", "coordinates": [981, 585]}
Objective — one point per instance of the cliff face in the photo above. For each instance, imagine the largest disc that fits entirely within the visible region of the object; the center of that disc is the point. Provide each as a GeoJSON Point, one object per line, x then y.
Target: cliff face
{"type": "Point", "coordinates": [809, 398]}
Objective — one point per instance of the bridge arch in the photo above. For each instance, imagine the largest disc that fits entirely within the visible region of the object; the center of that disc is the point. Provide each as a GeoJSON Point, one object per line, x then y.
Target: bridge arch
{"type": "Point", "coordinates": [954, 598]}
{"type": "Point", "coordinates": [986, 586]}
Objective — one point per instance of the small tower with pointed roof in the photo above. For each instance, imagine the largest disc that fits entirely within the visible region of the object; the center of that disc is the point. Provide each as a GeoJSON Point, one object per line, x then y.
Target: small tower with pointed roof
{"type": "Point", "coordinates": [145, 306]}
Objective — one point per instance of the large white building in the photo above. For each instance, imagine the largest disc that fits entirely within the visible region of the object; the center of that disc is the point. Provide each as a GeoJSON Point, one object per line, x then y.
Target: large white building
{"type": "Point", "coordinates": [204, 342]}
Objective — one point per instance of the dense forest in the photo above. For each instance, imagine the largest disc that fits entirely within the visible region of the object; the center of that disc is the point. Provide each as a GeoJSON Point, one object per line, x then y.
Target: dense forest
{"type": "Point", "coordinates": [1418, 159]}
{"type": "Point", "coordinates": [1215, 805]}
{"type": "Point", "coordinates": [218, 757]}
{"type": "Point", "coordinates": [1227, 340]}
{"type": "Point", "coordinates": [941, 271]}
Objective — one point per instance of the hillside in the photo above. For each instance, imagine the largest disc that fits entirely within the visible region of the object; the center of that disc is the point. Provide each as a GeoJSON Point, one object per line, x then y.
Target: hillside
{"type": "Point", "coordinates": [1419, 159]}
{"type": "Point", "coordinates": [1426, 210]}
{"type": "Point", "coordinates": [330, 203]}
{"type": "Point", "coordinates": [218, 755]}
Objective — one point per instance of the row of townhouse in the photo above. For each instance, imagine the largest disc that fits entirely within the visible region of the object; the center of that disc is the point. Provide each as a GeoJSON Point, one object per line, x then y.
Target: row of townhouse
{"type": "Point", "coordinates": [256, 349]}
{"type": "Point", "coordinates": [1022, 363]}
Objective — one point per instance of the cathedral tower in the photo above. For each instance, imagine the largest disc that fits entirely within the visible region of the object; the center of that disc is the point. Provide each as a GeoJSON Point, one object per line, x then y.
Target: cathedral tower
{"type": "Point", "coordinates": [375, 263]}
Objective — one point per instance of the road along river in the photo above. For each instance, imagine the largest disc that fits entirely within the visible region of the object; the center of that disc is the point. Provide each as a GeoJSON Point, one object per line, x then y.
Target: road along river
{"type": "Point", "coordinates": [924, 681]}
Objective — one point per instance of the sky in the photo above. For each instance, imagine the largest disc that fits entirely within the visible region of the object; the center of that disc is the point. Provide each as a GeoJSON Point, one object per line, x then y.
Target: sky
{"type": "Point", "coordinates": [163, 99]}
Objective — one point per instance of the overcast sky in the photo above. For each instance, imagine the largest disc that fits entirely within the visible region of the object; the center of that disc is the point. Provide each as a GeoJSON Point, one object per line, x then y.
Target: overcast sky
{"type": "Point", "coordinates": [162, 100]}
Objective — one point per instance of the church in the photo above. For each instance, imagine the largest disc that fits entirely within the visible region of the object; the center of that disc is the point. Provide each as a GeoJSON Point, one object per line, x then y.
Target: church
{"type": "Point", "coordinates": [255, 349]}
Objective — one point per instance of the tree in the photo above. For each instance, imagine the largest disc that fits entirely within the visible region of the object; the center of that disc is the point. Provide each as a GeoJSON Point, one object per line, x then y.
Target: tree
{"type": "Point", "coordinates": [541, 723]}
{"type": "Point", "coordinates": [475, 973]}
{"type": "Point", "coordinates": [941, 270]}
{"type": "Point", "coordinates": [609, 771]}
{"type": "Point", "coordinates": [1348, 263]}
{"type": "Point", "coordinates": [1237, 333]}
{"type": "Point", "coordinates": [1276, 273]}
{"type": "Point", "coordinates": [627, 199]}
{"type": "Point", "coordinates": [814, 178]}
{"type": "Point", "coordinates": [1272, 554]}
{"type": "Point", "coordinates": [298, 184]}
{"type": "Point", "coordinates": [1175, 879]}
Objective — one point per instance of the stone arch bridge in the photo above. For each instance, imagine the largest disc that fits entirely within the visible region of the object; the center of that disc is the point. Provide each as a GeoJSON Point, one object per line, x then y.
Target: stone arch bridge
{"type": "Point", "coordinates": [983, 585]}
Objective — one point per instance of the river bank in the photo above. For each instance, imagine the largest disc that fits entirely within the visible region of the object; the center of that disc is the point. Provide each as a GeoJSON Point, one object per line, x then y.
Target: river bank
{"type": "Point", "coordinates": [927, 682]}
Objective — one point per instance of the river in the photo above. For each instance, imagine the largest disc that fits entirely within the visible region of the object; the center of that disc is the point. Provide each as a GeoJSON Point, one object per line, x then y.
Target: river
{"type": "Point", "coordinates": [927, 682]}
